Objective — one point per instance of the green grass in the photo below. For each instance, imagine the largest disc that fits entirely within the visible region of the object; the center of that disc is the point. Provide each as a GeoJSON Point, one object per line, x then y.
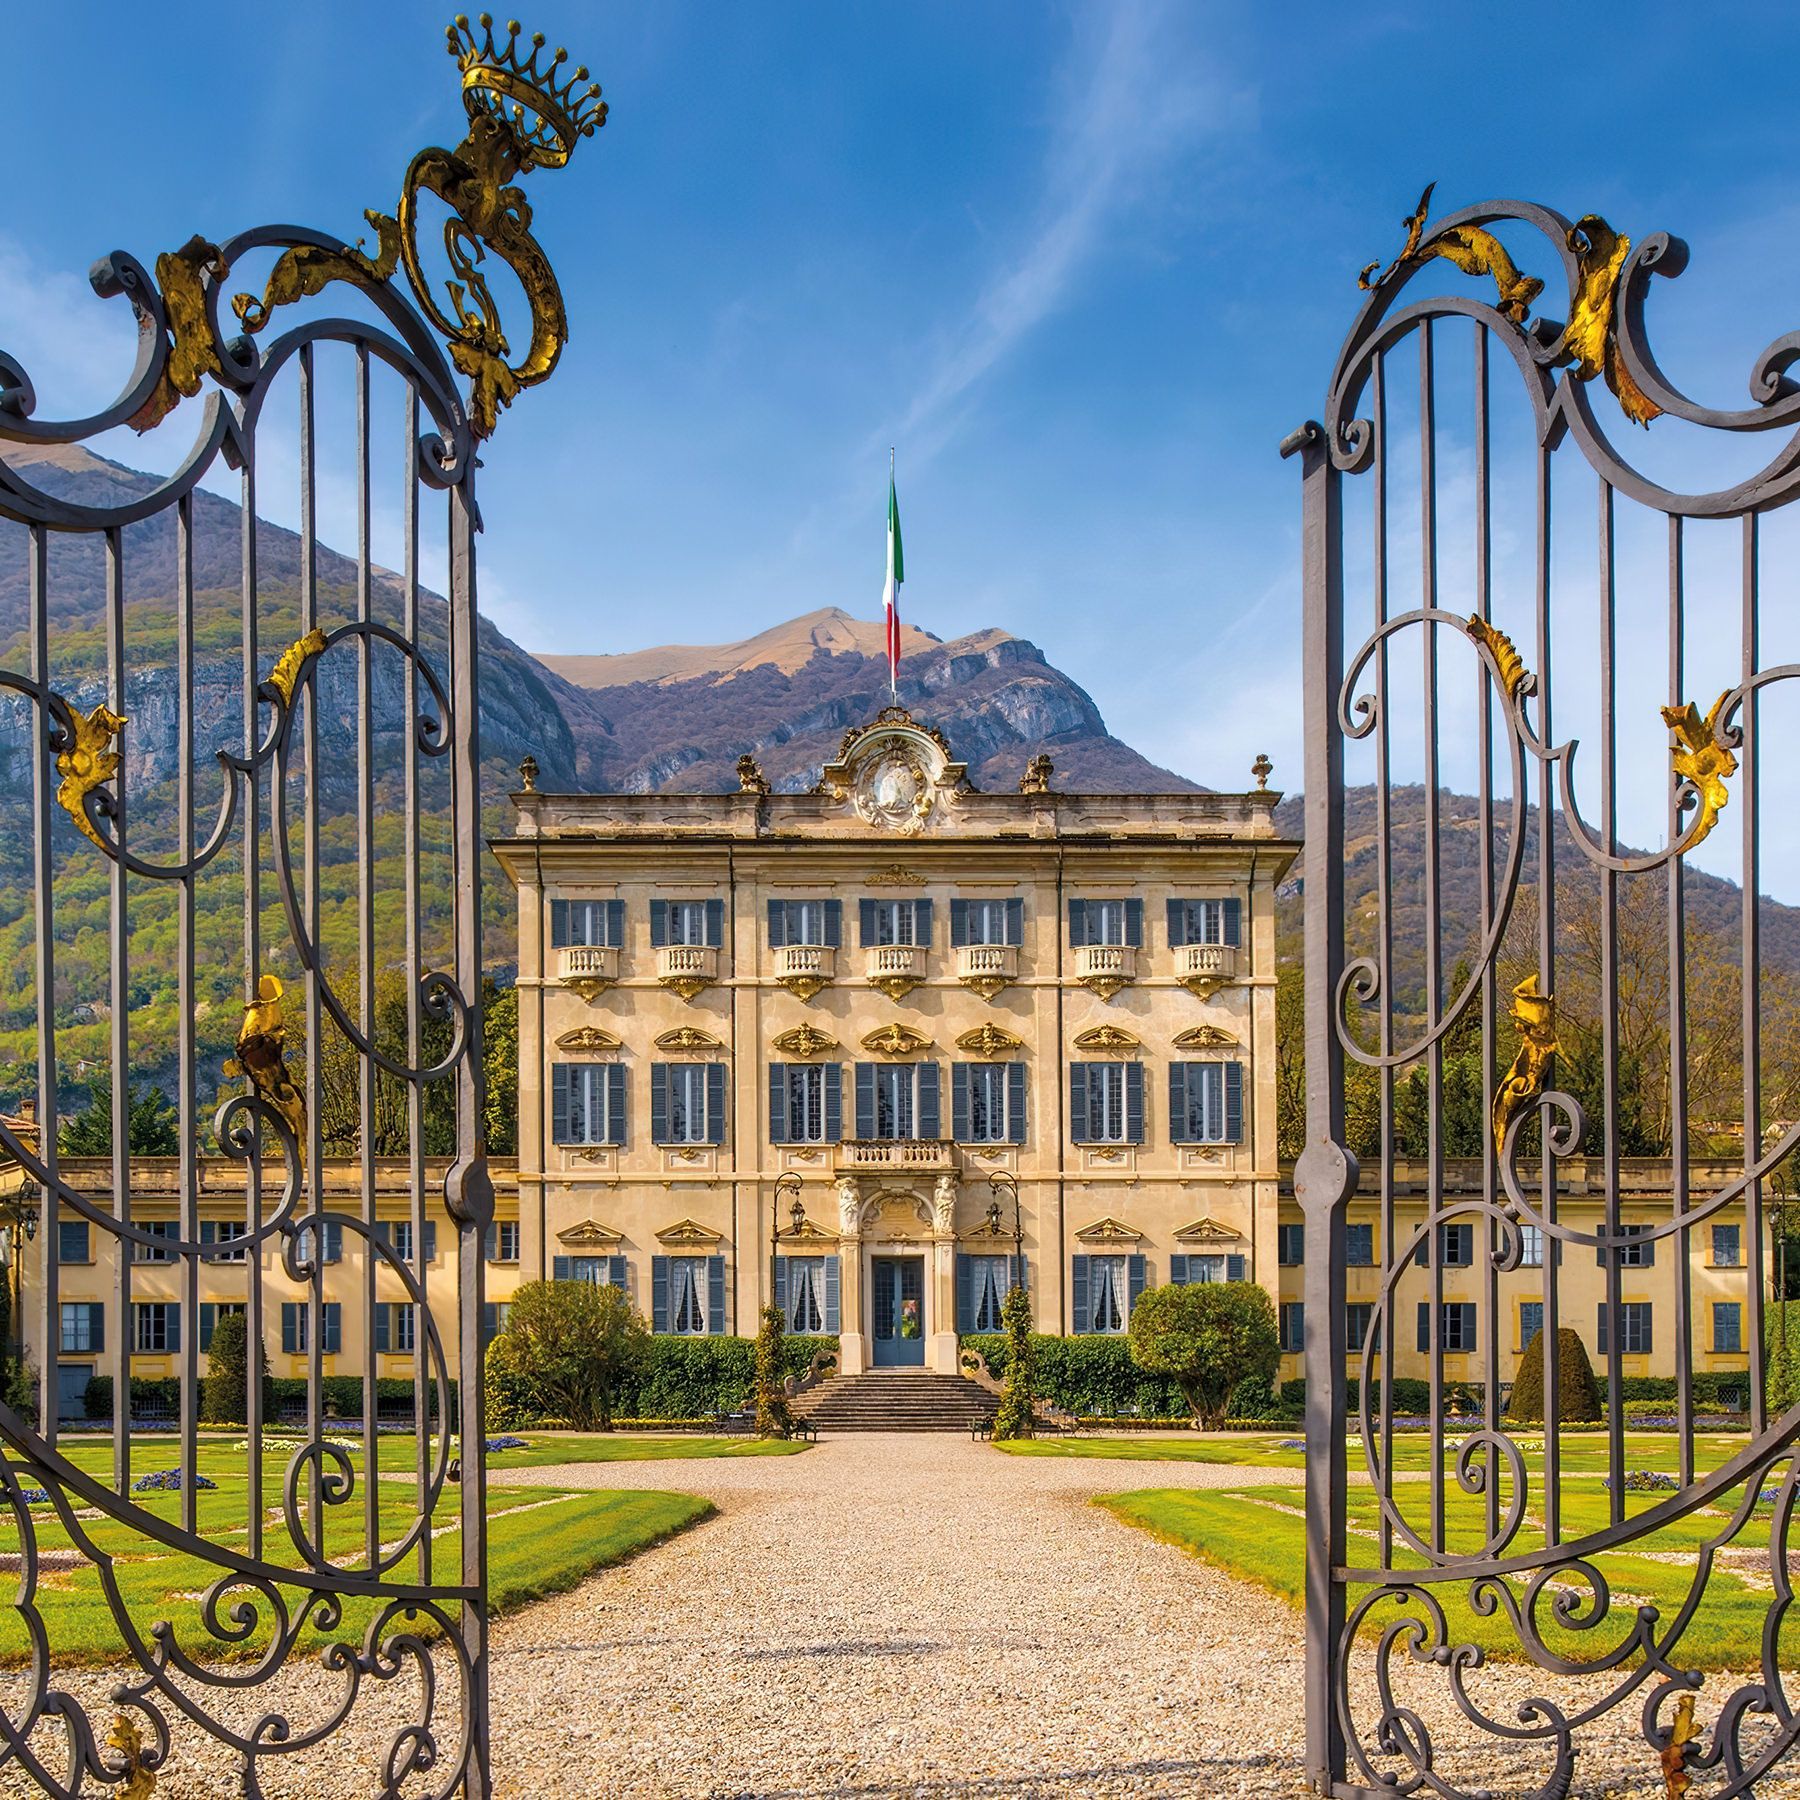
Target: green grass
{"type": "Point", "coordinates": [541, 1541]}
{"type": "Point", "coordinates": [1246, 1451]}
{"type": "Point", "coordinates": [622, 1446]}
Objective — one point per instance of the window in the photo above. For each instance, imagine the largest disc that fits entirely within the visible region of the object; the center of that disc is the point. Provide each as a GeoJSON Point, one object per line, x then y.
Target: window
{"type": "Point", "coordinates": [1728, 1327]}
{"type": "Point", "coordinates": [1630, 1256]}
{"type": "Point", "coordinates": [686, 1300]}
{"type": "Point", "coordinates": [806, 1289]}
{"type": "Point", "coordinates": [987, 1103]}
{"type": "Point", "coordinates": [1456, 1326]}
{"type": "Point", "coordinates": [698, 922]}
{"type": "Point", "coordinates": [224, 1231]}
{"type": "Point", "coordinates": [210, 1314]}
{"type": "Point", "coordinates": [296, 1327]}
{"type": "Point", "coordinates": [806, 1103]}
{"type": "Point", "coordinates": [1359, 1315]}
{"type": "Point", "coordinates": [502, 1241]}
{"type": "Point", "coordinates": [1106, 922]}
{"type": "Point", "coordinates": [599, 1271]}
{"type": "Point", "coordinates": [987, 921]}
{"type": "Point", "coordinates": [1456, 1247]}
{"type": "Point", "coordinates": [494, 1314]}
{"type": "Point", "coordinates": [334, 1242]}
{"type": "Point", "coordinates": [1206, 1102]}
{"type": "Point", "coordinates": [896, 1102]}
{"type": "Point", "coordinates": [1727, 1246]}
{"type": "Point", "coordinates": [818, 922]}
{"type": "Point", "coordinates": [587, 1103]}
{"type": "Point", "coordinates": [1292, 1325]}
{"type": "Point", "coordinates": [1193, 1271]}
{"type": "Point", "coordinates": [155, 1328]}
{"type": "Point", "coordinates": [687, 1103]}
{"type": "Point", "coordinates": [396, 1329]}
{"type": "Point", "coordinates": [154, 1253]}
{"type": "Point", "coordinates": [1290, 1245]}
{"type": "Point", "coordinates": [1531, 1246]}
{"type": "Point", "coordinates": [982, 1283]}
{"type": "Point", "coordinates": [399, 1233]}
{"type": "Point", "coordinates": [1359, 1246]}
{"type": "Point", "coordinates": [586, 922]}
{"type": "Point", "coordinates": [1108, 1293]}
{"type": "Point", "coordinates": [1634, 1329]}
{"type": "Point", "coordinates": [1204, 922]}
{"type": "Point", "coordinates": [1106, 1103]}
{"type": "Point", "coordinates": [895, 922]}
{"type": "Point", "coordinates": [73, 1243]}
{"type": "Point", "coordinates": [83, 1328]}
{"type": "Point", "coordinates": [1531, 1322]}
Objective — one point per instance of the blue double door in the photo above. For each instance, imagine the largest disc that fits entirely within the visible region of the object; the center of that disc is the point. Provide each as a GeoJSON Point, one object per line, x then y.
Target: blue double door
{"type": "Point", "coordinates": [897, 1302]}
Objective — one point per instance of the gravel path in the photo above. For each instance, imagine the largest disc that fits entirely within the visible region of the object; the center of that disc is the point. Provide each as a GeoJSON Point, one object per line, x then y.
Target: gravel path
{"type": "Point", "coordinates": [907, 1616]}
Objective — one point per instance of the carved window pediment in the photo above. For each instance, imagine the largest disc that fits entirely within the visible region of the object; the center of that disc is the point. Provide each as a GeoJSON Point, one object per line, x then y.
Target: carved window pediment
{"type": "Point", "coordinates": [1109, 1231]}
{"type": "Point", "coordinates": [1205, 1037]}
{"type": "Point", "coordinates": [896, 875]}
{"type": "Point", "coordinates": [1208, 1231]}
{"type": "Point", "coordinates": [688, 1038]}
{"type": "Point", "coordinates": [896, 1040]}
{"type": "Point", "coordinates": [988, 1040]}
{"type": "Point", "coordinates": [804, 1041]}
{"type": "Point", "coordinates": [689, 1234]}
{"type": "Point", "coordinates": [1111, 1039]}
{"type": "Point", "coordinates": [589, 1040]}
{"type": "Point", "coordinates": [590, 1234]}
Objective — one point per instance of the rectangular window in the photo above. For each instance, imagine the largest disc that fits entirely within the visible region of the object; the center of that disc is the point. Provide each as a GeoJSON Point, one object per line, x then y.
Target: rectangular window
{"type": "Point", "coordinates": [502, 1243]}
{"type": "Point", "coordinates": [987, 921]}
{"type": "Point", "coordinates": [155, 1328]}
{"type": "Point", "coordinates": [1531, 1322]}
{"type": "Point", "coordinates": [890, 922]}
{"type": "Point", "coordinates": [896, 1102]}
{"type": "Point", "coordinates": [1640, 1255]}
{"type": "Point", "coordinates": [223, 1231]}
{"type": "Point", "coordinates": [804, 1103]}
{"type": "Point", "coordinates": [1292, 1327]}
{"type": "Point", "coordinates": [588, 1103]}
{"type": "Point", "coordinates": [1456, 1247]}
{"type": "Point", "coordinates": [1206, 1102]}
{"type": "Point", "coordinates": [808, 922]}
{"type": "Point", "coordinates": [1290, 1245]}
{"type": "Point", "coordinates": [809, 1291]}
{"type": "Point", "coordinates": [597, 1271]}
{"type": "Point", "coordinates": [1728, 1327]}
{"type": "Point", "coordinates": [1196, 1271]}
{"type": "Point", "coordinates": [687, 1103]}
{"type": "Point", "coordinates": [1358, 1316]}
{"type": "Point", "coordinates": [989, 1278]}
{"type": "Point", "coordinates": [1531, 1247]}
{"type": "Point", "coordinates": [1727, 1246]}
{"type": "Point", "coordinates": [1106, 922]}
{"type": "Point", "coordinates": [73, 1242]}
{"type": "Point", "coordinates": [1204, 922]}
{"type": "Point", "coordinates": [895, 1085]}
{"type": "Point", "coordinates": [687, 922]}
{"type": "Point", "coordinates": [296, 1327]}
{"type": "Point", "coordinates": [1106, 1115]}
{"type": "Point", "coordinates": [1109, 1300]}
{"type": "Point", "coordinates": [154, 1253]}
{"type": "Point", "coordinates": [687, 1295]}
{"type": "Point", "coordinates": [83, 1328]}
{"type": "Point", "coordinates": [988, 1113]}
{"type": "Point", "coordinates": [399, 1233]}
{"type": "Point", "coordinates": [1456, 1327]}
{"type": "Point", "coordinates": [1359, 1246]}
{"type": "Point", "coordinates": [334, 1242]}
{"type": "Point", "coordinates": [396, 1329]}
{"type": "Point", "coordinates": [1634, 1329]}
{"type": "Point", "coordinates": [586, 922]}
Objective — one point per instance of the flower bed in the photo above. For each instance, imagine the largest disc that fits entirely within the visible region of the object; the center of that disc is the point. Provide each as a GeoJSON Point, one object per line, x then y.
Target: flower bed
{"type": "Point", "coordinates": [171, 1480]}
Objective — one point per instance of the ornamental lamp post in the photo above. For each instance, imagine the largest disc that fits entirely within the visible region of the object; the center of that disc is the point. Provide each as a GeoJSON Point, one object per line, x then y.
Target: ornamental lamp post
{"type": "Point", "coordinates": [1003, 1182]}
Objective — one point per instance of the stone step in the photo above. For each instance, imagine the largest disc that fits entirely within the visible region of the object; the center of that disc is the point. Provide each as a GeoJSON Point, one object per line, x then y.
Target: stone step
{"type": "Point", "coordinates": [908, 1400]}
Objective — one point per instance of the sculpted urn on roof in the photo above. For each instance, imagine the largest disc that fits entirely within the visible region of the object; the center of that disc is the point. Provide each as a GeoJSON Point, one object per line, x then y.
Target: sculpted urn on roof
{"type": "Point", "coordinates": [894, 771]}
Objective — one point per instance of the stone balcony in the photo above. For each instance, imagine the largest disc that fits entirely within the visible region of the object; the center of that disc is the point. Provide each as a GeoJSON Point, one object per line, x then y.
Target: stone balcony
{"type": "Point", "coordinates": [1204, 968]}
{"type": "Point", "coordinates": [687, 968]}
{"type": "Point", "coordinates": [588, 968]}
{"type": "Point", "coordinates": [987, 968]}
{"type": "Point", "coordinates": [1105, 967]}
{"type": "Point", "coordinates": [805, 968]}
{"type": "Point", "coordinates": [925, 1156]}
{"type": "Point", "coordinates": [896, 968]}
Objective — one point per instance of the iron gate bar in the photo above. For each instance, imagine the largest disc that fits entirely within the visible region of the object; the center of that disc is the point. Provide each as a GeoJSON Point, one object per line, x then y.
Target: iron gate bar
{"type": "Point", "coordinates": [1348, 688]}
{"type": "Point", "coordinates": [523, 112]}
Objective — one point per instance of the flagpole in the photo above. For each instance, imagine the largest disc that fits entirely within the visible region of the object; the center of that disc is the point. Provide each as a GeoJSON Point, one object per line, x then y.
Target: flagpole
{"type": "Point", "coordinates": [893, 622]}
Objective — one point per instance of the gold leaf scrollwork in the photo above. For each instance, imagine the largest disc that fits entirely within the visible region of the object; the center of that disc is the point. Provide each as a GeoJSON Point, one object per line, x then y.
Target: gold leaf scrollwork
{"type": "Point", "coordinates": [1676, 1756]}
{"type": "Point", "coordinates": [261, 1046]}
{"type": "Point", "coordinates": [286, 671]}
{"type": "Point", "coordinates": [309, 269]}
{"type": "Point", "coordinates": [1474, 251]}
{"type": "Point", "coordinates": [136, 1780]}
{"type": "Point", "coordinates": [89, 762]}
{"type": "Point", "coordinates": [1697, 756]}
{"type": "Point", "coordinates": [181, 275]}
{"type": "Point", "coordinates": [1506, 656]}
{"type": "Point", "coordinates": [1590, 343]}
{"type": "Point", "coordinates": [1534, 1014]}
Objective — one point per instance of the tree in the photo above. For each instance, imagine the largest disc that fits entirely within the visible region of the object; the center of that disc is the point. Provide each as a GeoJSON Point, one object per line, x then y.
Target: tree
{"type": "Point", "coordinates": [500, 1047]}
{"type": "Point", "coordinates": [1577, 1393]}
{"type": "Point", "coordinates": [225, 1395]}
{"type": "Point", "coordinates": [1207, 1337]}
{"type": "Point", "coordinates": [152, 1125]}
{"type": "Point", "coordinates": [774, 1418]}
{"type": "Point", "coordinates": [1019, 1390]}
{"type": "Point", "coordinates": [570, 1345]}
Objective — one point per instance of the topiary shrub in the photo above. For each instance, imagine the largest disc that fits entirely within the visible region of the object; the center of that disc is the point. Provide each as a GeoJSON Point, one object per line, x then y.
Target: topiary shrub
{"type": "Point", "coordinates": [507, 1400]}
{"type": "Point", "coordinates": [572, 1346]}
{"type": "Point", "coordinates": [225, 1394]}
{"type": "Point", "coordinates": [1577, 1395]}
{"type": "Point", "coordinates": [1206, 1337]}
{"type": "Point", "coordinates": [774, 1418]}
{"type": "Point", "coordinates": [1018, 1390]}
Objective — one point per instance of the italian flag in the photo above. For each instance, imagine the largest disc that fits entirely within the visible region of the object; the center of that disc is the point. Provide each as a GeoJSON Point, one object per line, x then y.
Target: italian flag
{"type": "Point", "coordinates": [890, 593]}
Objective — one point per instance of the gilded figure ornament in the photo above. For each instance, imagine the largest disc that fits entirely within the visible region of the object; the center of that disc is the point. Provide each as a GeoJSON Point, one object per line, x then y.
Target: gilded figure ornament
{"type": "Point", "coordinates": [1204, 1037]}
{"type": "Point", "coordinates": [135, 1779]}
{"type": "Point", "coordinates": [804, 1041]}
{"type": "Point", "coordinates": [1474, 251]}
{"type": "Point", "coordinates": [1697, 756]}
{"type": "Point", "coordinates": [1108, 1038]}
{"type": "Point", "coordinates": [89, 761]}
{"type": "Point", "coordinates": [896, 1040]}
{"type": "Point", "coordinates": [896, 875]}
{"type": "Point", "coordinates": [182, 276]}
{"type": "Point", "coordinates": [589, 1040]}
{"type": "Point", "coordinates": [1036, 779]}
{"type": "Point", "coordinates": [292, 660]}
{"type": "Point", "coordinates": [688, 1037]}
{"type": "Point", "coordinates": [896, 987]}
{"type": "Point", "coordinates": [528, 774]}
{"type": "Point", "coordinates": [1505, 654]}
{"type": "Point", "coordinates": [751, 779]}
{"type": "Point", "coordinates": [1534, 1014]}
{"type": "Point", "coordinates": [261, 1043]}
{"type": "Point", "coordinates": [987, 1041]}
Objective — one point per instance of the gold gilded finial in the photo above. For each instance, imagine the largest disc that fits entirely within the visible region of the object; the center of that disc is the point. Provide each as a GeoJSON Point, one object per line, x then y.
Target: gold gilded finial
{"type": "Point", "coordinates": [261, 1042]}
{"type": "Point", "coordinates": [1698, 756]}
{"type": "Point", "coordinates": [1535, 1016]}
{"type": "Point", "coordinates": [1038, 772]}
{"type": "Point", "coordinates": [1262, 769]}
{"type": "Point", "coordinates": [1506, 657]}
{"type": "Point", "coordinates": [88, 762]}
{"type": "Point", "coordinates": [136, 1782]}
{"type": "Point", "coordinates": [528, 774]}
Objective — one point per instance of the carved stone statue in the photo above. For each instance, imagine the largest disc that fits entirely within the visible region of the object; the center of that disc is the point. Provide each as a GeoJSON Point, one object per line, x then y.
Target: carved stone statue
{"type": "Point", "coordinates": [1036, 779]}
{"type": "Point", "coordinates": [849, 1205]}
{"type": "Point", "coordinates": [751, 779]}
{"type": "Point", "coordinates": [944, 1205]}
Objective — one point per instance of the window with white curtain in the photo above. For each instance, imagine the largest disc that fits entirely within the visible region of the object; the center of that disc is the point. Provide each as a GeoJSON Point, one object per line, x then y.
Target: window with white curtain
{"type": "Point", "coordinates": [1107, 1294]}
{"type": "Point", "coordinates": [806, 1294]}
{"type": "Point", "coordinates": [989, 1281]}
{"type": "Point", "coordinates": [687, 1296]}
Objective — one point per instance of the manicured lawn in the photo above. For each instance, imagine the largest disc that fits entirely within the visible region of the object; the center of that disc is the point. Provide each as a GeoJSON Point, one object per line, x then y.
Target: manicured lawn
{"type": "Point", "coordinates": [1172, 1446]}
{"type": "Point", "coordinates": [541, 1541]}
{"type": "Point", "coordinates": [618, 1446]}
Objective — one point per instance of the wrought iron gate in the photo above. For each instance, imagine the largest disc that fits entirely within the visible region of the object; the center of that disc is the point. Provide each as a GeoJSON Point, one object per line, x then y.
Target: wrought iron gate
{"type": "Point", "coordinates": [340, 804]}
{"type": "Point", "coordinates": [1552, 1053]}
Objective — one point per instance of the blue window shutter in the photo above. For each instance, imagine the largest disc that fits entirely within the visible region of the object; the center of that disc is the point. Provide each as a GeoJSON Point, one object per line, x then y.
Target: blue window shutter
{"type": "Point", "coordinates": [559, 924]}
{"type": "Point", "coordinates": [1078, 922]}
{"type": "Point", "coordinates": [777, 924]}
{"type": "Point", "coordinates": [831, 1294]}
{"type": "Point", "coordinates": [615, 1103]}
{"type": "Point", "coordinates": [659, 924]}
{"type": "Point", "coordinates": [331, 1330]}
{"type": "Point", "coordinates": [930, 1114]}
{"type": "Point", "coordinates": [865, 924]}
{"type": "Point", "coordinates": [1178, 1265]}
{"type": "Point", "coordinates": [834, 1101]}
{"type": "Point", "coordinates": [209, 1316]}
{"type": "Point", "coordinates": [781, 1287]}
{"type": "Point", "coordinates": [615, 922]}
{"type": "Point", "coordinates": [490, 1322]}
{"type": "Point", "coordinates": [959, 923]}
{"type": "Point", "coordinates": [865, 1100]}
{"type": "Point", "coordinates": [206, 1237]}
{"type": "Point", "coordinates": [1015, 920]}
{"type": "Point", "coordinates": [1078, 1293]}
{"type": "Point", "coordinates": [559, 1103]}
{"type": "Point", "coordinates": [659, 1103]}
{"type": "Point", "coordinates": [1177, 924]}
{"type": "Point", "coordinates": [1235, 1268]}
{"type": "Point", "coordinates": [383, 1331]}
{"type": "Point", "coordinates": [1078, 1103]}
{"type": "Point", "coordinates": [490, 1243]}
{"type": "Point", "coordinates": [1178, 1099]}
{"type": "Point", "coordinates": [1134, 922]}
{"type": "Point", "coordinates": [1137, 1275]}
{"type": "Point", "coordinates": [922, 924]}
{"type": "Point", "coordinates": [965, 1293]}
{"type": "Point", "coordinates": [959, 1102]}
{"type": "Point", "coordinates": [1234, 1103]}
{"type": "Point", "coordinates": [1134, 1103]}
{"type": "Point", "coordinates": [1015, 1102]}
{"type": "Point", "coordinates": [715, 1296]}
{"type": "Point", "coordinates": [559, 1269]}
{"type": "Point", "coordinates": [96, 1326]}
{"type": "Point", "coordinates": [659, 1293]}
{"type": "Point", "coordinates": [1234, 922]}
{"type": "Point", "coordinates": [289, 1316]}
{"type": "Point", "coordinates": [334, 1241]}
{"type": "Point", "coordinates": [778, 1079]}
{"type": "Point", "coordinates": [715, 1103]}
{"type": "Point", "coordinates": [834, 924]}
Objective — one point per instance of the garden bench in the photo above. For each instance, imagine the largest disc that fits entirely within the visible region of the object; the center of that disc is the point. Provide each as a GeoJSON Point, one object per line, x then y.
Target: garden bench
{"type": "Point", "coordinates": [980, 1430]}
{"type": "Point", "coordinates": [804, 1429]}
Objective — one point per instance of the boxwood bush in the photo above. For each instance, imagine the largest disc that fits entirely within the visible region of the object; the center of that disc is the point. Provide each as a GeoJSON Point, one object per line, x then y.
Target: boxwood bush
{"type": "Point", "coordinates": [1093, 1376]}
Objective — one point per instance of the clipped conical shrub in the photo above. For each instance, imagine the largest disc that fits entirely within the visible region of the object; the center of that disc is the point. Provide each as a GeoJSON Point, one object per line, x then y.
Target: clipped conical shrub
{"type": "Point", "coordinates": [1577, 1395]}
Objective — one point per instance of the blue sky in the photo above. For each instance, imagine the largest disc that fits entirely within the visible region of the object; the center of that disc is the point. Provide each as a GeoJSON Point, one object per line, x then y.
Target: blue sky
{"type": "Point", "coordinates": [1084, 265]}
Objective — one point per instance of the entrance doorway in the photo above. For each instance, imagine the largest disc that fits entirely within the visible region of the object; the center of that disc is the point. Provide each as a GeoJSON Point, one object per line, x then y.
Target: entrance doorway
{"type": "Point", "coordinates": [897, 1301]}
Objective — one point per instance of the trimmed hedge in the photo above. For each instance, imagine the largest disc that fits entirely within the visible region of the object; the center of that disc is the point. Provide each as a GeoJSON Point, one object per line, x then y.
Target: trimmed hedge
{"type": "Point", "coordinates": [693, 1378]}
{"type": "Point", "coordinates": [339, 1394]}
{"type": "Point", "coordinates": [1092, 1376]}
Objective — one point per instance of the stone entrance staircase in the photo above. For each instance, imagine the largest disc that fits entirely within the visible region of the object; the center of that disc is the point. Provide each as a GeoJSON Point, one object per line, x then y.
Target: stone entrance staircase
{"type": "Point", "coordinates": [896, 1400]}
